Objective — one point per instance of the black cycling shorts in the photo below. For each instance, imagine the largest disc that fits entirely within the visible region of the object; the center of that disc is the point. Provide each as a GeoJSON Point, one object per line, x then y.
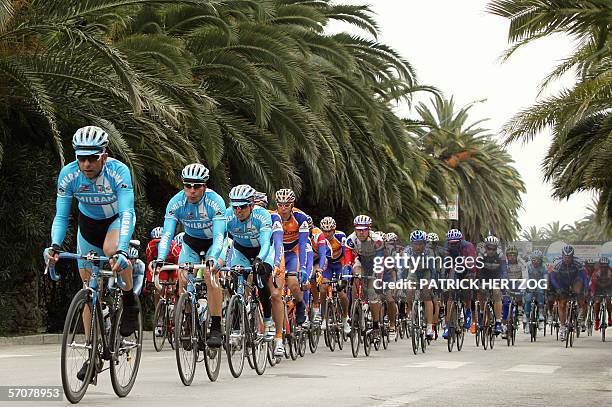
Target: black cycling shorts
{"type": "Point", "coordinates": [94, 230]}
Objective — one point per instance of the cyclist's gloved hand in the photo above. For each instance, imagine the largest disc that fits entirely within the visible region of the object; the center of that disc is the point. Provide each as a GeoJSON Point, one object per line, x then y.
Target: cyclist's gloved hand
{"type": "Point", "coordinates": [51, 254]}
{"type": "Point", "coordinates": [304, 277]}
{"type": "Point", "coordinates": [121, 261]}
{"type": "Point", "coordinates": [257, 266]}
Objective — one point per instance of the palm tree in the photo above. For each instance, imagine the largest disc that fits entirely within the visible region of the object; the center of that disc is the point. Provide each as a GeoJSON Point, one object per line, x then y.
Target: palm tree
{"type": "Point", "coordinates": [532, 234]}
{"type": "Point", "coordinates": [555, 231]}
{"type": "Point", "coordinates": [477, 168]}
{"type": "Point", "coordinates": [579, 117]}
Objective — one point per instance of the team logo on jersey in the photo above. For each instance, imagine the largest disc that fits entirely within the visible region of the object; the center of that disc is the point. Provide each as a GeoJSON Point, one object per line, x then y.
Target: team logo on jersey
{"type": "Point", "coordinates": [84, 188]}
{"type": "Point", "coordinates": [189, 215]}
{"type": "Point", "coordinates": [124, 186]}
{"type": "Point", "coordinates": [276, 226]}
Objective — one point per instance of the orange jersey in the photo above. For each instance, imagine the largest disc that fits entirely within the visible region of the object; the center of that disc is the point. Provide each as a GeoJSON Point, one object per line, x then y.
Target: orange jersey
{"type": "Point", "coordinates": [292, 228]}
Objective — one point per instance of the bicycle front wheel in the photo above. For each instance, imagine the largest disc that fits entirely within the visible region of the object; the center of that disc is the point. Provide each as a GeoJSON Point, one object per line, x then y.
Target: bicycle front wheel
{"type": "Point", "coordinates": [185, 343]}
{"type": "Point", "coordinates": [212, 356]}
{"type": "Point", "coordinates": [78, 346]}
{"type": "Point", "coordinates": [355, 334]}
{"type": "Point", "coordinates": [235, 338]}
{"type": "Point", "coordinates": [160, 324]}
{"type": "Point", "coordinates": [127, 352]}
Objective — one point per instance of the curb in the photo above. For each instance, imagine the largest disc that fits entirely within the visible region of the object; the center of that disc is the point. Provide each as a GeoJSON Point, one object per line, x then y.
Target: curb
{"type": "Point", "coordinates": [46, 339]}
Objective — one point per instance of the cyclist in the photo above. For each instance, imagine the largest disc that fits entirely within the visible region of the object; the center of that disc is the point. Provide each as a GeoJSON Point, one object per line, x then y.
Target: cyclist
{"type": "Point", "coordinates": [335, 242]}
{"type": "Point", "coordinates": [320, 249]}
{"type": "Point", "coordinates": [438, 296]}
{"type": "Point", "coordinates": [420, 268]}
{"type": "Point", "coordinates": [106, 219]}
{"type": "Point", "coordinates": [361, 248]}
{"type": "Point", "coordinates": [275, 329]}
{"type": "Point", "coordinates": [151, 255]}
{"type": "Point", "coordinates": [601, 285]}
{"type": "Point", "coordinates": [495, 268]}
{"type": "Point", "coordinates": [568, 275]}
{"type": "Point", "coordinates": [516, 270]}
{"type": "Point", "coordinates": [392, 249]}
{"type": "Point", "coordinates": [201, 212]}
{"type": "Point", "coordinates": [250, 227]}
{"type": "Point", "coordinates": [536, 271]}
{"type": "Point", "coordinates": [459, 250]}
{"type": "Point", "coordinates": [295, 240]}
{"type": "Point", "coordinates": [103, 187]}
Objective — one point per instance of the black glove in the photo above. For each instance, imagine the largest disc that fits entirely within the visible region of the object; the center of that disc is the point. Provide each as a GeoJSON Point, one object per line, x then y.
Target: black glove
{"type": "Point", "coordinates": [257, 266]}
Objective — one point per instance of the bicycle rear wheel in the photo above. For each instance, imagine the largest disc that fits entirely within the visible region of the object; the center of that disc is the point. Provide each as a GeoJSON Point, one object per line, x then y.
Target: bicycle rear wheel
{"type": "Point", "coordinates": [367, 334]}
{"type": "Point", "coordinates": [292, 338]}
{"type": "Point", "coordinates": [184, 339]}
{"type": "Point", "coordinates": [604, 320]}
{"type": "Point", "coordinates": [477, 312]}
{"type": "Point", "coordinates": [414, 334]}
{"type": "Point", "coordinates": [212, 356]}
{"type": "Point", "coordinates": [235, 336]}
{"type": "Point", "coordinates": [256, 334]}
{"type": "Point", "coordinates": [460, 326]}
{"type": "Point", "coordinates": [78, 347]}
{"type": "Point", "coordinates": [127, 352]}
{"type": "Point", "coordinates": [384, 326]}
{"type": "Point", "coordinates": [340, 335]}
{"type": "Point", "coordinates": [331, 327]}
{"type": "Point", "coordinates": [160, 320]}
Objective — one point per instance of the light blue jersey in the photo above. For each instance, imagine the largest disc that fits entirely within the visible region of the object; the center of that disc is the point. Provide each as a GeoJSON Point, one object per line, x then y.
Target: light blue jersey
{"type": "Point", "coordinates": [110, 193]}
{"type": "Point", "coordinates": [203, 220]}
{"type": "Point", "coordinates": [254, 232]}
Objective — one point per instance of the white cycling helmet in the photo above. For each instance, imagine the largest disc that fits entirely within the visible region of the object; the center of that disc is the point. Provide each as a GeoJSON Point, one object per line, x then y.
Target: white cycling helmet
{"type": "Point", "coordinates": [362, 222]}
{"type": "Point", "coordinates": [491, 241]}
{"type": "Point", "coordinates": [89, 140]}
{"type": "Point", "coordinates": [433, 237]}
{"type": "Point", "coordinates": [178, 239]}
{"type": "Point", "coordinates": [195, 173]}
{"type": "Point", "coordinates": [133, 253]}
{"type": "Point", "coordinates": [285, 196]}
{"type": "Point", "coordinates": [241, 195]}
{"type": "Point", "coordinates": [390, 237]}
{"type": "Point", "coordinates": [328, 223]}
{"type": "Point", "coordinates": [156, 233]}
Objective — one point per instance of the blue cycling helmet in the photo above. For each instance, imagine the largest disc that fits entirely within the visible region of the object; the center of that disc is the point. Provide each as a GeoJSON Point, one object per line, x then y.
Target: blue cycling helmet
{"type": "Point", "coordinates": [178, 239]}
{"type": "Point", "coordinates": [242, 195]}
{"type": "Point", "coordinates": [156, 233]}
{"type": "Point", "coordinates": [89, 140]}
{"type": "Point", "coordinates": [418, 236]}
{"type": "Point", "coordinates": [261, 199]}
{"type": "Point", "coordinates": [454, 234]}
{"type": "Point", "coordinates": [195, 173]}
{"type": "Point", "coordinates": [568, 250]}
{"type": "Point", "coordinates": [537, 255]}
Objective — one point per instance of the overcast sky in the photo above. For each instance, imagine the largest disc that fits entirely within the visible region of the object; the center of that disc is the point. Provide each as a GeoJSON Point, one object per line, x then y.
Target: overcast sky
{"type": "Point", "coordinates": [455, 46]}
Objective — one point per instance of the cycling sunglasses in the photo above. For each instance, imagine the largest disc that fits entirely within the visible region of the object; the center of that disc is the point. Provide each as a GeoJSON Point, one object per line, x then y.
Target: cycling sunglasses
{"type": "Point", "coordinates": [90, 158]}
{"type": "Point", "coordinates": [241, 206]}
{"type": "Point", "coordinates": [191, 185]}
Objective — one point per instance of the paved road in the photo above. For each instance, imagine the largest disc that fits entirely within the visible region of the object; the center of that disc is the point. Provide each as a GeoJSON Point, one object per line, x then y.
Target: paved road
{"type": "Point", "coordinates": [530, 374]}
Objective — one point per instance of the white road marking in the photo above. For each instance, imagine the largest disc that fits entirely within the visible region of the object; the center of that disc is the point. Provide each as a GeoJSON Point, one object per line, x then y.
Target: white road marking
{"type": "Point", "coordinates": [399, 401]}
{"type": "Point", "coordinates": [548, 369]}
{"type": "Point", "coordinates": [341, 364]}
{"type": "Point", "coordinates": [14, 356]}
{"type": "Point", "coordinates": [439, 364]}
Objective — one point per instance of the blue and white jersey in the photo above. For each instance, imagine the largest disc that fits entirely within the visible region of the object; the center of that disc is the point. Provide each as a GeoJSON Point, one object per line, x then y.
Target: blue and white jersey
{"type": "Point", "coordinates": [256, 231]}
{"type": "Point", "coordinates": [203, 220]}
{"type": "Point", "coordinates": [110, 193]}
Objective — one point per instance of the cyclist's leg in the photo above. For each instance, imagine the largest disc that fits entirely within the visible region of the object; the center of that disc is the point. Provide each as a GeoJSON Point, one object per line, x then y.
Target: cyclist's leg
{"type": "Point", "coordinates": [292, 267]}
{"type": "Point", "coordinates": [187, 255]}
{"type": "Point", "coordinates": [214, 295]}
